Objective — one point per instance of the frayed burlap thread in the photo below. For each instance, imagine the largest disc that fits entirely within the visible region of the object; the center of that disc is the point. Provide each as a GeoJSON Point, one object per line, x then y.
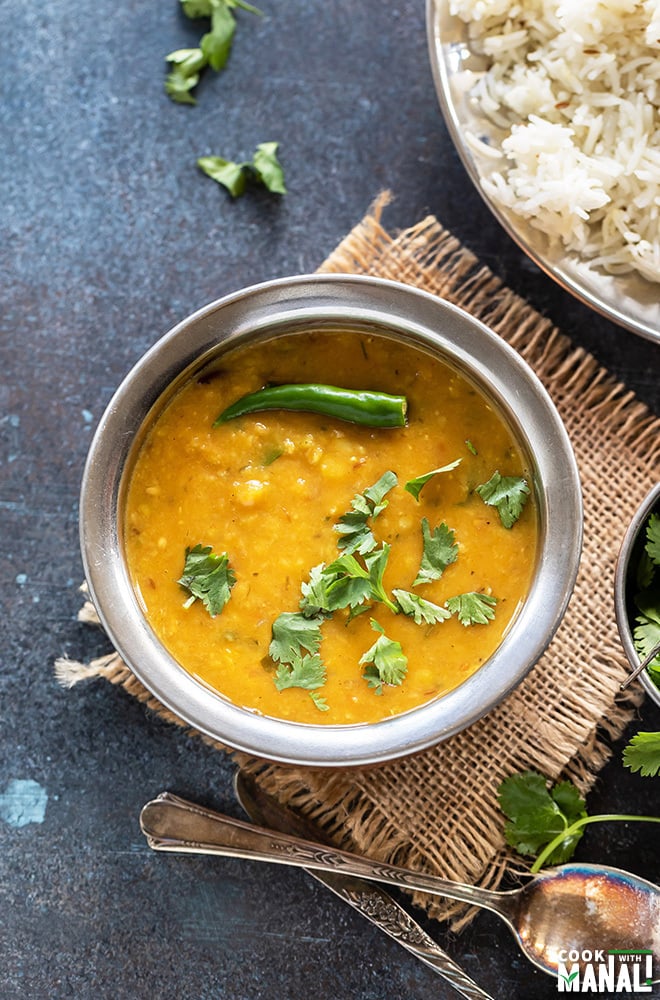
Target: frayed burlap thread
{"type": "Point", "coordinates": [437, 811]}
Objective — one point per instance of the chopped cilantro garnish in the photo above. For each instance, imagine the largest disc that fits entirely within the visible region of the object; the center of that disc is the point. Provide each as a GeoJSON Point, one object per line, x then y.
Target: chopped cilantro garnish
{"type": "Point", "coordinates": [472, 608]}
{"type": "Point", "coordinates": [264, 169]}
{"type": "Point", "coordinates": [415, 486]}
{"type": "Point", "coordinates": [304, 671]}
{"type": "Point", "coordinates": [385, 661]}
{"type": "Point", "coordinates": [208, 577]}
{"type": "Point", "coordinates": [293, 633]}
{"type": "Point", "coordinates": [440, 550]}
{"type": "Point", "coordinates": [420, 609]}
{"type": "Point", "coordinates": [347, 583]}
{"type": "Point", "coordinates": [344, 583]}
{"type": "Point", "coordinates": [353, 527]}
{"type": "Point", "coordinates": [508, 494]}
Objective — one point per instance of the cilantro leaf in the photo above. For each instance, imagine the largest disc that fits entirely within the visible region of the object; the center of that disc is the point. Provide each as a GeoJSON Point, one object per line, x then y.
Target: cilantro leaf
{"type": "Point", "coordinates": [376, 563]}
{"type": "Point", "coordinates": [652, 545]}
{"type": "Point", "coordinates": [264, 169]}
{"type": "Point", "coordinates": [646, 636]}
{"type": "Point", "coordinates": [472, 608]}
{"type": "Point", "coordinates": [508, 494]}
{"type": "Point", "coordinates": [356, 534]}
{"type": "Point", "coordinates": [267, 167]}
{"type": "Point", "coordinates": [419, 609]}
{"type": "Point", "coordinates": [214, 46]}
{"type": "Point", "coordinates": [549, 823]}
{"type": "Point", "coordinates": [385, 661]}
{"type": "Point", "coordinates": [304, 671]}
{"type": "Point", "coordinates": [231, 175]}
{"type": "Point", "coordinates": [440, 550]}
{"type": "Point", "coordinates": [208, 577]}
{"type": "Point", "coordinates": [216, 43]}
{"type": "Point", "coordinates": [536, 816]}
{"type": "Point", "coordinates": [197, 8]}
{"type": "Point", "coordinates": [187, 65]}
{"type": "Point", "coordinates": [346, 582]}
{"type": "Point", "coordinates": [642, 753]}
{"type": "Point", "coordinates": [291, 633]}
{"type": "Point", "coordinates": [415, 486]}
{"type": "Point", "coordinates": [319, 701]}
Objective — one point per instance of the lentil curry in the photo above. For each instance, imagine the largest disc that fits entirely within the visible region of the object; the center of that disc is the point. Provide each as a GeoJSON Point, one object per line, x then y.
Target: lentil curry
{"type": "Point", "coordinates": [271, 500]}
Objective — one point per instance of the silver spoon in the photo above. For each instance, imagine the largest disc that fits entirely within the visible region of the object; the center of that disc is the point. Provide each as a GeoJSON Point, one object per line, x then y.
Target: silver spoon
{"type": "Point", "coordinates": [572, 909]}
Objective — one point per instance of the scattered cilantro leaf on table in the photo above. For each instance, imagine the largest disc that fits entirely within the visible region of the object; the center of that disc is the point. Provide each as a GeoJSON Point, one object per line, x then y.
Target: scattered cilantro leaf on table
{"type": "Point", "coordinates": [508, 494]}
{"type": "Point", "coordinates": [385, 661]}
{"type": "Point", "coordinates": [440, 550]}
{"type": "Point", "coordinates": [213, 50]}
{"type": "Point", "coordinates": [421, 610]}
{"type": "Point", "coordinates": [264, 169]}
{"type": "Point", "coordinates": [415, 486]}
{"type": "Point", "coordinates": [642, 753]}
{"type": "Point", "coordinates": [207, 577]}
{"type": "Point", "coordinates": [472, 608]}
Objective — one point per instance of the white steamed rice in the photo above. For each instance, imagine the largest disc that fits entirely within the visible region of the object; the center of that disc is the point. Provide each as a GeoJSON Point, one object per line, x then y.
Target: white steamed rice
{"type": "Point", "coordinates": [577, 87]}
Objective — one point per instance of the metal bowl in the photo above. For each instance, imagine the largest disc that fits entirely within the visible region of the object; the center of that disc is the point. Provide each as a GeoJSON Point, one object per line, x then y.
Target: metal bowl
{"type": "Point", "coordinates": [626, 299]}
{"type": "Point", "coordinates": [624, 587]}
{"type": "Point", "coordinates": [304, 303]}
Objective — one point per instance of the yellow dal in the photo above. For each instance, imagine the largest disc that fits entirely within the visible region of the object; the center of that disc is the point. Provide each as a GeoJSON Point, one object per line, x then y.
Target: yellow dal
{"type": "Point", "coordinates": [224, 487]}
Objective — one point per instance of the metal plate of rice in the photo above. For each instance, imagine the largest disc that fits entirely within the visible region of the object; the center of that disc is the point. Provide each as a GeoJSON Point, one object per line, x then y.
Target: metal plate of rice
{"type": "Point", "coordinates": [555, 112]}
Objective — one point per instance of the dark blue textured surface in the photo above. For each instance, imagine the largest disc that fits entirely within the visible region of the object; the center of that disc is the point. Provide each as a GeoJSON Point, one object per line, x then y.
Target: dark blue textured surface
{"type": "Point", "coordinates": [108, 236]}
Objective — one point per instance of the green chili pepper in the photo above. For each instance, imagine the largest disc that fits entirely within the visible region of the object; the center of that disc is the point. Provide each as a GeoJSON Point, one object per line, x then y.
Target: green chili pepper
{"type": "Point", "coordinates": [357, 406]}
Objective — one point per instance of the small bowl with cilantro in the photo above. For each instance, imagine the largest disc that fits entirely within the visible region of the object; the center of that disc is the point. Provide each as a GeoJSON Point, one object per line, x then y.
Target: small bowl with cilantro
{"type": "Point", "coordinates": [330, 520]}
{"type": "Point", "coordinates": [637, 593]}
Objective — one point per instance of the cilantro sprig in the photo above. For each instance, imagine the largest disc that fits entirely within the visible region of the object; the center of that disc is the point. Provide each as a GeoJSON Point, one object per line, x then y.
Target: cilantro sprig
{"type": "Point", "coordinates": [385, 661]}
{"type": "Point", "coordinates": [354, 527]}
{"type": "Point", "coordinates": [473, 608]}
{"type": "Point", "coordinates": [207, 577]}
{"type": "Point", "coordinates": [508, 494]}
{"type": "Point", "coordinates": [439, 551]}
{"type": "Point", "coordinates": [419, 609]}
{"type": "Point", "coordinates": [547, 821]}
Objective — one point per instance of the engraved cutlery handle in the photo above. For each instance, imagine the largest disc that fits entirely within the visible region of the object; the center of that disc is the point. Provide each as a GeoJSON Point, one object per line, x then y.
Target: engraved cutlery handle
{"type": "Point", "coordinates": [172, 824]}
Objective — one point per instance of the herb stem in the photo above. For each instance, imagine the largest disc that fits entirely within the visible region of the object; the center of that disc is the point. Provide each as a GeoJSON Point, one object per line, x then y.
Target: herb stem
{"type": "Point", "coordinates": [574, 827]}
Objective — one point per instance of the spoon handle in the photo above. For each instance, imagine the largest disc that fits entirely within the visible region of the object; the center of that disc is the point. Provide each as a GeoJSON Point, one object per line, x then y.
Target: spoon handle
{"type": "Point", "coordinates": [172, 824]}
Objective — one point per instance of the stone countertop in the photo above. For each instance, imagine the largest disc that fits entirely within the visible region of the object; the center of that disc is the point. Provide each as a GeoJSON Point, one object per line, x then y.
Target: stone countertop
{"type": "Point", "coordinates": [109, 235]}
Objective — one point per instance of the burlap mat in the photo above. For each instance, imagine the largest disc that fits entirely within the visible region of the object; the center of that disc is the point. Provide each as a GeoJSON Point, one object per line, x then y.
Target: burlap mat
{"type": "Point", "coordinates": [438, 811]}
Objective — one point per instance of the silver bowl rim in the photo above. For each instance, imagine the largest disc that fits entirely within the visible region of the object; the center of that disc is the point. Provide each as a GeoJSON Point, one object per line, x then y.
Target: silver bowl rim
{"type": "Point", "coordinates": [616, 297]}
{"type": "Point", "coordinates": [426, 320]}
{"type": "Point", "coordinates": [650, 501]}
